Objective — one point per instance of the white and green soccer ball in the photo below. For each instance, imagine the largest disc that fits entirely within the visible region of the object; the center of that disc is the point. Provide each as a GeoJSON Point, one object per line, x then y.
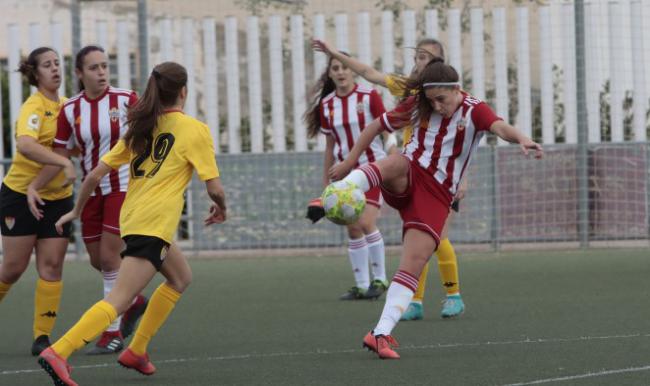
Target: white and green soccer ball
{"type": "Point", "coordinates": [343, 202]}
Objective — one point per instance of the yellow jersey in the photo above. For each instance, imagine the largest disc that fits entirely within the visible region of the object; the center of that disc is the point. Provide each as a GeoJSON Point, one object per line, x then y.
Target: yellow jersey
{"type": "Point", "coordinates": [396, 85]}
{"type": "Point", "coordinates": [154, 197]}
{"type": "Point", "coordinates": [37, 119]}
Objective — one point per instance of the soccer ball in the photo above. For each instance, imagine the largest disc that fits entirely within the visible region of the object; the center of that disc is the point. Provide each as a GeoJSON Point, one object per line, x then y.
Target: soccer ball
{"type": "Point", "coordinates": [343, 202]}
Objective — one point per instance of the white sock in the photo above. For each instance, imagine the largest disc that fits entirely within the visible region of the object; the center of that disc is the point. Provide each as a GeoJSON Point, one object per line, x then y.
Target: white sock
{"type": "Point", "coordinates": [358, 178]}
{"type": "Point", "coordinates": [377, 255]}
{"type": "Point", "coordinates": [109, 282]}
{"type": "Point", "coordinates": [399, 295]}
{"type": "Point", "coordinates": [358, 252]}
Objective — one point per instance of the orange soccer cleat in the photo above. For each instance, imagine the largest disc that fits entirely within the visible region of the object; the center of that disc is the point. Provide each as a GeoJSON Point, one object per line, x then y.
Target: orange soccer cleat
{"type": "Point", "coordinates": [139, 363]}
{"type": "Point", "coordinates": [382, 345]}
{"type": "Point", "coordinates": [56, 367]}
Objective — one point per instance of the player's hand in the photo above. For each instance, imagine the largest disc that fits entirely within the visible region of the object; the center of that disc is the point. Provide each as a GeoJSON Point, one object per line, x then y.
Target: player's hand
{"type": "Point", "coordinates": [66, 218]}
{"type": "Point", "coordinates": [33, 201]}
{"type": "Point", "coordinates": [321, 46]}
{"type": "Point", "coordinates": [217, 215]}
{"type": "Point", "coordinates": [460, 193]}
{"type": "Point", "coordinates": [527, 144]}
{"type": "Point", "coordinates": [339, 171]}
{"type": "Point", "coordinates": [70, 174]}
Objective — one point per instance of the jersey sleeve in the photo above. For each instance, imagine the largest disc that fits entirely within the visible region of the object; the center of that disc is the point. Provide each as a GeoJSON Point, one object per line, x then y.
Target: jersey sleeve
{"type": "Point", "coordinates": [324, 122]}
{"type": "Point", "coordinates": [376, 104]}
{"type": "Point", "coordinates": [30, 119]}
{"type": "Point", "coordinates": [396, 84]}
{"type": "Point", "coordinates": [200, 153]}
{"type": "Point", "coordinates": [133, 99]}
{"type": "Point", "coordinates": [64, 137]}
{"type": "Point", "coordinates": [483, 117]}
{"type": "Point", "coordinates": [400, 116]}
{"type": "Point", "coordinates": [118, 156]}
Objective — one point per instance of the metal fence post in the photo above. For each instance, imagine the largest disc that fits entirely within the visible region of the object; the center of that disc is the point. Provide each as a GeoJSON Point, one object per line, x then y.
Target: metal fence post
{"type": "Point", "coordinates": [582, 153]}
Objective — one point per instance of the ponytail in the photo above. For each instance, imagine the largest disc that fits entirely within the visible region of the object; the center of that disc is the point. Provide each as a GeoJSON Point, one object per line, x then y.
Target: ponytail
{"type": "Point", "coordinates": [163, 87]}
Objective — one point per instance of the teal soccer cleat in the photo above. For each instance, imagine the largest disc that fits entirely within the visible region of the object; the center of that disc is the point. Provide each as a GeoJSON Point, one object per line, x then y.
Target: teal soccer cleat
{"type": "Point", "coordinates": [452, 306]}
{"type": "Point", "coordinates": [413, 312]}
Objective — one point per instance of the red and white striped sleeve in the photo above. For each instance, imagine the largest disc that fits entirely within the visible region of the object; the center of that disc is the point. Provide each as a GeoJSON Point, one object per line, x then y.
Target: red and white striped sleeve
{"type": "Point", "coordinates": [64, 137]}
{"type": "Point", "coordinates": [324, 123]}
{"type": "Point", "coordinates": [376, 104]}
{"type": "Point", "coordinates": [400, 116]}
{"type": "Point", "coordinates": [483, 117]}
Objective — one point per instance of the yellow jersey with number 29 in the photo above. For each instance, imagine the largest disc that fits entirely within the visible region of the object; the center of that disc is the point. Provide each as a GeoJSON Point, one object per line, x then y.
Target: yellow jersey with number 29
{"type": "Point", "coordinates": [158, 178]}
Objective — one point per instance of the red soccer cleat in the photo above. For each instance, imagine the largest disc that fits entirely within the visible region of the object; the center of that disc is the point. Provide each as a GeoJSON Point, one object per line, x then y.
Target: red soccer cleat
{"type": "Point", "coordinates": [110, 342]}
{"type": "Point", "coordinates": [139, 363]}
{"type": "Point", "coordinates": [382, 345]}
{"type": "Point", "coordinates": [56, 367]}
{"type": "Point", "coordinates": [315, 210]}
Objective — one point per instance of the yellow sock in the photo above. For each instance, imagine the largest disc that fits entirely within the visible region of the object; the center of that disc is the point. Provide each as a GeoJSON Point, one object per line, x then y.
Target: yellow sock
{"type": "Point", "coordinates": [448, 265]}
{"type": "Point", "coordinates": [422, 285]}
{"type": "Point", "coordinates": [4, 289]}
{"type": "Point", "coordinates": [91, 324]}
{"type": "Point", "coordinates": [160, 305]}
{"type": "Point", "coordinates": [46, 306]}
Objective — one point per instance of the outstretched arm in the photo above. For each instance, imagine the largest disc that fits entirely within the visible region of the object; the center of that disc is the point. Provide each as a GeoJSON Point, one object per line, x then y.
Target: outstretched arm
{"type": "Point", "coordinates": [342, 169]}
{"type": "Point", "coordinates": [363, 70]}
{"type": "Point", "coordinates": [218, 196]}
{"type": "Point", "coordinates": [511, 134]}
{"type": "Point", "coordinates": [87, 188]}
{"type": "Point", "coordinates": [30, 148]}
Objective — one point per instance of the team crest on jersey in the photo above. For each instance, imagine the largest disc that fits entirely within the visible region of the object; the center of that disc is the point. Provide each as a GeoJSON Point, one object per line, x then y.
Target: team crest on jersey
{"type": "Point", "coordinates": [33, 121]}
{"type": "Point", "coordinates": [49, 114]}
{"type": "Point", "coordinates": [360, 108]}
{"type": "Point", "coordinates": [114, 114]}
{"type": "Point", "coordinates": [10, 222]}
{"type": "Point", "coordinates": [462, 124]}
{"type": "Point", "coordinates": [78, 120]}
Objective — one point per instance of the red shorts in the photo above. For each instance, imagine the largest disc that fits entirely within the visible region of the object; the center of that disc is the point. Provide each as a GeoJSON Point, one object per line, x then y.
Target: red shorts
{"type": "Point", "coordinates": [101, 214]}
{"type": "Point", "coordinates": [373, 197]}
{"type": "Point", "coordinates": [423, 205]}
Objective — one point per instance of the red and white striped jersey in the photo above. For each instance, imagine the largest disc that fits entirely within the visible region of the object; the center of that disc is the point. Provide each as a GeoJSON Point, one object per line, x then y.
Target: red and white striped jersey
{"type": "Point", "coordinates": [444, 146]}
{"type": "Point", "coordinates": [95, 126]}
{"type": "Point", "coordinates": [344, 117]}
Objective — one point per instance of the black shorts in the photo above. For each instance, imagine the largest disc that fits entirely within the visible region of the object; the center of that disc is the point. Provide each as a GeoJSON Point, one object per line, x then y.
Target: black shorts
{"type": "Point", "coordinates": [17, 220]}
{"type": "Point", "coordinates": [455, 206]}
{"type": "Point", "coordinates": [147, 247]}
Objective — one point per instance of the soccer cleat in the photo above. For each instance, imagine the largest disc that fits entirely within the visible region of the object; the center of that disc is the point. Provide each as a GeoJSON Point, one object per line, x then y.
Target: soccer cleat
{"type": "Point", "coordinates": [40, 344]}
{"type": "Point", "coordinates": [132, 314]}
{"type": "Point", "coordinates": [376, 289]}
{"type": "Point", "coordinates": [56, 367]}
{"type": "Point", "coordinates": [354, 293]}
{"type": "Point", "coordinates": [139, 363]}
{"type": "Point", "coordinates": [452, 306]}
{"type": "Point", "coordinates": [413, 312]}
{"type": "Point", "coordinates": [110, 342]}
{"type": "Point", "coordinates": [315, 210]}
{"type": "Point", "coordinates": [382, 345]}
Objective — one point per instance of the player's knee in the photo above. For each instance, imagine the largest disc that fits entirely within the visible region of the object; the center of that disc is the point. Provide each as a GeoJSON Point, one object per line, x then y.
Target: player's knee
{"type": "Point", "coordinates": [50, 270]}
{"type": "Point", "coordinates": [181, 282]}
{"type": "Point", "coordinates": [9, 274]}
{"type": "Point", "coordinates": [355, 231]}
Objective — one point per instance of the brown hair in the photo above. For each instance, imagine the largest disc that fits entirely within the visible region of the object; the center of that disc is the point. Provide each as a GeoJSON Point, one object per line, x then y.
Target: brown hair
{"type": "Point", "coordinates": [323, 88]}
{"type": "Point", "coordinates": [433, 42]}
{"type": "Point", "coordinates": [434, 72]}
{"type": "Point", "coordinates": [29, 66]}
{"type": "Point", "coordinates": [163, 87]}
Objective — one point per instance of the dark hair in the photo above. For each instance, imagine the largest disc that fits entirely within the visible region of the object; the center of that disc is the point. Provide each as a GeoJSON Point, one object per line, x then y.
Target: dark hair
{"type": "Point", "coordinates": [163, 87]}
{"type": "Point", "coordinates": [433, 42]}
{"type": "Point", "coordinates": [436, 71]}
{"type": "Point", "coordinates": [29, 66]}
{"type": "Point", "coordinates": [324, 86]}
{"type": "Point", "coordinates": [79, 59]}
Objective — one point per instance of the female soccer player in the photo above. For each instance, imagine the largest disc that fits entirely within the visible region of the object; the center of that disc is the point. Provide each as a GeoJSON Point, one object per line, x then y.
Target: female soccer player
{"type": "Point", "coordinates": [22, 232]}
{"type": "Point", "coordinates": [162, 147]}
{"type": "Point", "coordinates": [421, 183]}
{"type": "Point", "coordinates": [425, 50]}
{"type": "Point", "coordinates": [340, 110]}
{"type": "Point", "coordinates": [94, 120]}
